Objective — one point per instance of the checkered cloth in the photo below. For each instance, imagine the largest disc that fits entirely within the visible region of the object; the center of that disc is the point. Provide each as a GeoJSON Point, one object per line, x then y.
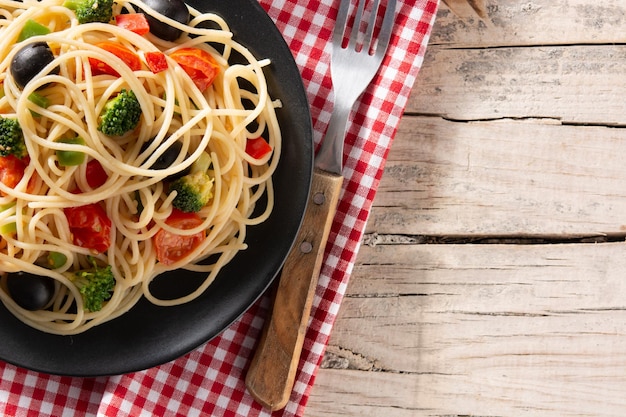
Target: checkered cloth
{"type": "Point", "coordinates": [210, 380]}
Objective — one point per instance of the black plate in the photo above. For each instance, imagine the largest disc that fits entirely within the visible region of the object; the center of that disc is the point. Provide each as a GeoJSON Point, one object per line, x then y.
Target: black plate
{"type": "Point", "coordinates": [148, 335]}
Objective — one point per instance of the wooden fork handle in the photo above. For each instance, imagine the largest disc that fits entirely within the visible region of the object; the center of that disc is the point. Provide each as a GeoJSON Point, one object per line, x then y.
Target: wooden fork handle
{"type": "Point", "coordinates": [272, 371]}
{"type": "Point", "coordinates": [467, 8]}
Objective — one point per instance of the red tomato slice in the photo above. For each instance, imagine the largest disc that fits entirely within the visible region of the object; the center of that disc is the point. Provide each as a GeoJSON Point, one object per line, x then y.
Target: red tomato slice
{"type": "Point", "coordinates": [96, 175]}
{"type": "Point", "coordinates": [156, 61]}
{"type": "Point", "coordinates": [129, 57]}
{"type": "Point", "coordinates": [135, 22]}
{"type": "Point", "coordinates": [257, 148]}
{"type": "Point", "coordinates": [32, 183]}
{"type": "Point", "coordinates": [171, 247]}
{"type": "Point", "coordinates": [12, 170]}
{"type": "Point", "coordinates": [198, 64]}
{"type": "Point", "coordinates": [90, 226]}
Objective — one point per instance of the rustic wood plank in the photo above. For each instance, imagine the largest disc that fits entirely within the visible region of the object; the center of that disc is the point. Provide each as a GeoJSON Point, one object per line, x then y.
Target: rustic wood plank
{"type": "Point", "coordinates": [451, 289]}
{"type": "Point", "coordinates": [497, 392]}
{"type": "Point", "coordinates": [537, 22]}
{"type": "Point", "coordinates": [340, 393]}
{"type": "Point", "coordinates": [575, 84]}
{"type": "Point", "coordinates": [500, 330]}
{"type": "Point", "coordinates": [519, 178]}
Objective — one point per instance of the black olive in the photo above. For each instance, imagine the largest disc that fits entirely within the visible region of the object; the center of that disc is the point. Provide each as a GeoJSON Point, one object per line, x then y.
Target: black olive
{"type": "Point", "coordinates": [29, 61]}
{"type": "Point", "coordinates": [174, 9]}
{"type": "Point", "coordinates": [167, 158]}
{"type": "Point", "coordinates": [30, 291]}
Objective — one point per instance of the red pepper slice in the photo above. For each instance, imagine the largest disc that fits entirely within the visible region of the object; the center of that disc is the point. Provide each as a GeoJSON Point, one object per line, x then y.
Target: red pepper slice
{"type": "Point", "coordinates": [96, 175]}
{"type": "Point", "coordinates": [257, 147]}
{"type": "Point", "coordinates": [198, 64]}
{"type": "Point", "coordinates": [129, 57]}
{"type": "Point", "coordinates": [156, 61]}
{"type": "Point", "coordinates": [135, 22]}
{"type": "Point", "coordinates": [90, 226]}
{"type": "Point", "coordinates": [171, 247]}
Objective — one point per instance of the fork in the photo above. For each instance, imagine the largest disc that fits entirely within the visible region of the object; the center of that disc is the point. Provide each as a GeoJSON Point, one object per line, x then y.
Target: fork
{"type": "Point", "coordinates": [352, 69]}
{"type": "Point", "coordinates": [272, 372]}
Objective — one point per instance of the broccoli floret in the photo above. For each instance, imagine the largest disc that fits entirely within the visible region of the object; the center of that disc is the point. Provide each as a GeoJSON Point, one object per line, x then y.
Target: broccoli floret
{"type": "Point", "coordinates": [11, 138]}
{"type": "Point", "coordinates": [95, 286]}
{"type": "Point", "coordinates": [194, 190]}
{"type": "Point", "coordinates": [120, 114]}
{"type": "Point", "coordinates": [88, 11]}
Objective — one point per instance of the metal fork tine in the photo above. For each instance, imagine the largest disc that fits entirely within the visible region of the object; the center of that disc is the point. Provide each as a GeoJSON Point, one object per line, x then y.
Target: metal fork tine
{"type": "Point", "coordinates": [385, 31]}
{"type": "Point", "coordinates": [369, 34]}
{"type": "Point", "coordinates": [356, 26]}
{"type": "Point", "coordinates": [340, 25]}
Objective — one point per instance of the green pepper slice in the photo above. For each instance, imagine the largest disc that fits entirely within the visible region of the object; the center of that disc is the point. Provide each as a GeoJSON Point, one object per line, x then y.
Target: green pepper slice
{"type": "Point", "coordinates": [56, 260]}
{"type": "Point", "coordinates": [71, 158]}
{"type": "Point", "coordinates": [39, 100]}
{"type": "Point", "coordinates": [32, 28]}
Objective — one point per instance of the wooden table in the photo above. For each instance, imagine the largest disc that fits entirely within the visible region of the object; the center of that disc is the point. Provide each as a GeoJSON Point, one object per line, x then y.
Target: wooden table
{"type": "Point", "coordinates": [492, 278]}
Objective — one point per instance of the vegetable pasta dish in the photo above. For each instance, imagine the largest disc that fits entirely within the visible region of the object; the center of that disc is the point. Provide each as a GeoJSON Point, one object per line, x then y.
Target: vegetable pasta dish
{"type": "Point", "coordinates": [136, 137]}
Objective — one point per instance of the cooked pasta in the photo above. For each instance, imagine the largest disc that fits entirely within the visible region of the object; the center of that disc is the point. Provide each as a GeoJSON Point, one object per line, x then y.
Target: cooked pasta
{"type": "Point", "coordinates": [58, 208]}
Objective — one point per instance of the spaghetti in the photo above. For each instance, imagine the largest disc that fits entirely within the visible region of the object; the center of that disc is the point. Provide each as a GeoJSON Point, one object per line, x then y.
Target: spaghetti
{"type": "Point", "coordinates": [178, 115]}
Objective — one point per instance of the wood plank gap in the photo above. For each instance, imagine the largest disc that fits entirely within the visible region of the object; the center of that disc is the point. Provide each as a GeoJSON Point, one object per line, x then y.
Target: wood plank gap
{"type": "Point", "coordinates": [339, 357]}
{"type": "Point", "coordinates": [540, 119]}
{"type": "Point", "coordinates": [375, 239]}
{"type": "Point", "coordinates": [525, 46]}
{"type": "Point", "coordinates": [593, 124]}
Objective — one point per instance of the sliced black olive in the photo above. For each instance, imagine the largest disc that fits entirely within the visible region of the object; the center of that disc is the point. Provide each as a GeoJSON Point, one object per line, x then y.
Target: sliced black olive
{"type": "Point", "coordinates": [30, 291]}
{"type": "Point", "coordinates": [174, 9]}
{"type": "Point", "coordinates": [167, 158]}
{"type": "Point", "coordinates": [29, 61]}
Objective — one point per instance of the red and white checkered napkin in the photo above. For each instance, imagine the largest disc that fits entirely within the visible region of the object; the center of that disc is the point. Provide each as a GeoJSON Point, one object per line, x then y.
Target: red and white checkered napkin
{"type": "Point", "coordinates": [210, 380]}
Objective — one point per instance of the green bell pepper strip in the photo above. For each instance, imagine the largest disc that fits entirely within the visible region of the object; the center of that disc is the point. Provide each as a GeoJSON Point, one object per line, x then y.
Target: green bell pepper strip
{"type": "Point", "coordinates": [32, 28]}
{"type": "Point", "coordinates": [71, 158]}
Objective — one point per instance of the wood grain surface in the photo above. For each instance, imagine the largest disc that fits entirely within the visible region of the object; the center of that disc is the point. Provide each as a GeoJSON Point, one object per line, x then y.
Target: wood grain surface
{"type": "Point", "coordinates": [492, 277]}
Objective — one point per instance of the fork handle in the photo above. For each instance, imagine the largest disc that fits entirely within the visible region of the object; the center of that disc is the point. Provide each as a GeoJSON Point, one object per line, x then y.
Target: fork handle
{"type": "Point", "coordinates": [330, 155]}
{"type": "Point", "coordinates": [272, 371]}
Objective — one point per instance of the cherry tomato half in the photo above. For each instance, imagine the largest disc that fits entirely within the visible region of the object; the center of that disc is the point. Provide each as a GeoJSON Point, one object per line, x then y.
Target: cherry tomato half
{"type": "Point", "coordinates": [90, 226]}
{"type": "Point", "coordinates": [12, 170]}
{"type": "Point", "coordinates": [129, 57]}
{"type": "Point", "coordinates": [198, 64]}
{"type": "Point", "coordinates": [171, 247]}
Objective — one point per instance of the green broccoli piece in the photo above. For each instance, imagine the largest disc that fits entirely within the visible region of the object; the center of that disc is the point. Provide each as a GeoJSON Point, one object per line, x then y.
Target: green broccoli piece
{"type": "Point", "coordinates": [120, 114]}
{"type": "Point", "coordinates": [11, 138]}
{"type": "Point", "coordinates": [88, 11]}
{"type": "Point", "coordinates": [95, 285]}
{"type": "Point", "coordinates": [194, 190]}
